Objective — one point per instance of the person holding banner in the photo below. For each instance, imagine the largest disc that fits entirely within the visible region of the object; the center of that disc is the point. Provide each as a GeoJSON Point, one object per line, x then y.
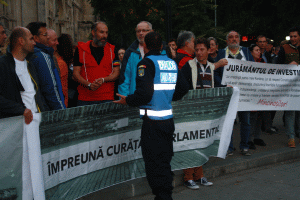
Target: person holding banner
{"type": "Point", "coordinates": [199, 73]}
{"type": "Point", "coordinates": [289, 54]}
{"type": "Point", "coordinates": [19, 83]}
{"type": "Point", "coordinates": [158, 82]}
{"type": "Point", "coordinates": [235, 51]}
{"type": "Point", "coordinates": [201, 65]}
{"type": "Point", "coordinates": [256, 117]}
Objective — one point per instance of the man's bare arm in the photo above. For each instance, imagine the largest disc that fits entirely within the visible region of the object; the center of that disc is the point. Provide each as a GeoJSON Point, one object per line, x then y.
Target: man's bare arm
{"type": "Point", "coordinates": [221, 63]}
{"type": "Point", "coordinates": [77, 77]}
{"type": "Point", "coordinates": [112, 77]}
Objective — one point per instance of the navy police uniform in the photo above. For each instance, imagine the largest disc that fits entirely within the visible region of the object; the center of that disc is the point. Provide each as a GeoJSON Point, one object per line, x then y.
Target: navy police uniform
{"type": "Point", "coordinates": [158, 82]}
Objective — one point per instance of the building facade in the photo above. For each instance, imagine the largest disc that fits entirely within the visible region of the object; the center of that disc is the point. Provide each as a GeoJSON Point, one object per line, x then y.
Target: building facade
{"type": "Point", "coordinates": [64, 16]}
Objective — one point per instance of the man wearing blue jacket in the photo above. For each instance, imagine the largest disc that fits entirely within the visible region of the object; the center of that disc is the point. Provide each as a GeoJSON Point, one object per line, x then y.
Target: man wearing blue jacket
{"type": "Point", "coordinates": [133, 55]}
{"type": "Point", "coordinates": [235, 51]}
{"type": "Point", "coordinates": [47, 73]}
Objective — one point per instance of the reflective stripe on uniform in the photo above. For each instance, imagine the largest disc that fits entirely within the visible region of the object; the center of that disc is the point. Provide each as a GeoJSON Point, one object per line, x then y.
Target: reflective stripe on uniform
{"type": "Point", "coordinates": [153, 113]}
{"type": "Point", "coordinates": [164, 86]}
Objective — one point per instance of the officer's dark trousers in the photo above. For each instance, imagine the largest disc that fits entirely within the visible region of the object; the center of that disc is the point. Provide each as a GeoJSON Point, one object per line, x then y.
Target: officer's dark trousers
{"type": "Point", "coordinates": [157, 150]}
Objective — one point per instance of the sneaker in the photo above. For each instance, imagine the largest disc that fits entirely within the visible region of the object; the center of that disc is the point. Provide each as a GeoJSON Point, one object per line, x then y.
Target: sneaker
{"type": "Point", "coordinates": [259, 142]}
{"type": "Point", "coordinates": [251, 145]}
{"type": "Point", "coordinates": [291, 143]}
{"type": "Point", "coordinates": [229, 153]}
{"type": "Point", "coordinates": [191, 184]}
{"type": "Point", "coordinates": [276, 129]}
{"type": "Point", "coordinates": [271, 131]}
{"type": "Point", "coordinates": [245, 152]}
{"type": "Point", "coordinates": [203, 181]}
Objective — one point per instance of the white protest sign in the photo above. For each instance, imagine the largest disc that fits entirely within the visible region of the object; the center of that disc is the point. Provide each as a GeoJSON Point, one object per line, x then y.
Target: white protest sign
{"type": "Point", "coordinates": [264, 86]}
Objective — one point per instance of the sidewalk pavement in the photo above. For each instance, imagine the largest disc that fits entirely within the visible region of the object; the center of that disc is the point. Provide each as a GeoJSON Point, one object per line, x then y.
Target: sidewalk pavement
{"type": "Point", "coordinates": [275, 152]}
{"type": "Point", "coordinates": [277, 181]}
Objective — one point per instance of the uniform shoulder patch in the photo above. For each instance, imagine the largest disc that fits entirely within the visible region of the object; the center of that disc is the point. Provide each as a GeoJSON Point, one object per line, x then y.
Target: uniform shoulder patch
{"type": "Point", "coordinates": [141, 70]}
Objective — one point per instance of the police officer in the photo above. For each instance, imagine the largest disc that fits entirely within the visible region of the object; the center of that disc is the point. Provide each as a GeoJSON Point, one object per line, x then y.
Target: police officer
{"type": "Point", "coordinates": [158, 82]}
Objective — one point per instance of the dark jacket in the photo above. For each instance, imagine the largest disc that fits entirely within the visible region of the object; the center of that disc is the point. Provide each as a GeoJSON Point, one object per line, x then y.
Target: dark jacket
{"type": "Point", "coordinates": [288, 53]}
{"type": "Point", "coordinates": [219, 72]}
{"type": "Point", "coordinates": [268, 56]}
{"type": "Point", "coordinates": [11, 103]}
{"type": "Point", "coordinates": [182, 57]}
{"type": "Point", "coordinates": [49, 77]}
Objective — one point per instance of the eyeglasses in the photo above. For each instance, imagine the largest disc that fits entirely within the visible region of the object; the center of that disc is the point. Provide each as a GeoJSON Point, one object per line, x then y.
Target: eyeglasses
{"type": "Point", "coordinates": [143, 30]}
{"type": "Point", "coordinates": [45, 34]}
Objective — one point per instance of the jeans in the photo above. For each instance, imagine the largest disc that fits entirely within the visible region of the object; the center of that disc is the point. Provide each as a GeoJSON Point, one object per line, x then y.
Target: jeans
{"type": "Point", "coordinates": [245, 127]}
{"type": "Point", "coordinates": [255, 121]}
{"type": "Point", "coordinates": [292, 123]}
{"type": "Point", "coordinates": [266, 119]}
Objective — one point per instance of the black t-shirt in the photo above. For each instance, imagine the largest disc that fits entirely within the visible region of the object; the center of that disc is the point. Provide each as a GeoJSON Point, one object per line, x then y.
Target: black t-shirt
{"type": "Point", "coordinates": [97, 52]}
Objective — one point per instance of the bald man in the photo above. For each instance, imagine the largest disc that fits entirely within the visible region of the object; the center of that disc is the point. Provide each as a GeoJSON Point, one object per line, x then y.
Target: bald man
{"type": "Point", "coordinates": [96, 67]}
{"type": "Point", "coordinates": [20, 90]}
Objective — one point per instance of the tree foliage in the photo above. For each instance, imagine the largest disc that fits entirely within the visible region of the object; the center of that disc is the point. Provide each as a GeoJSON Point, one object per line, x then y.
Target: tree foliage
{"type": "Point", "coordinates": [272, 18]}
{"type": "Point", "coordinates": [122, 16]}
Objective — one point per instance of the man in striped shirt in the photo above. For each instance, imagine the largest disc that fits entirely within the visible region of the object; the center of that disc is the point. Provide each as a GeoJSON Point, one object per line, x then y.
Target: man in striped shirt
{"type": "Point", "coordinates": [199, 71]}
{"type": "Point", "coordinates": [199, 74]}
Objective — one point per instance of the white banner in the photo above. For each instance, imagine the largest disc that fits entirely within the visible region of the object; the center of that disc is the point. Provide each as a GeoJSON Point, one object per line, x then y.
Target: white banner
{"type": "Point", "coordinates": [21, 174]}
{"type": "Point", "coordinates": [264, 86]}
{"type": "Point", "coordinates": [11, 148]}
{"type": "Point", "coordinates": [73, 161]}
{"type": "Point", "coordinates": [68, 163]}
{"type": "Point", "coordinates": [89, 148]}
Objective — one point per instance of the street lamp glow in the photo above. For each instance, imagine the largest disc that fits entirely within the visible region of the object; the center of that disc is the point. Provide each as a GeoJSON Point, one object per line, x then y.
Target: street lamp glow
{"type": "Point", "coordinates": [287, 37]}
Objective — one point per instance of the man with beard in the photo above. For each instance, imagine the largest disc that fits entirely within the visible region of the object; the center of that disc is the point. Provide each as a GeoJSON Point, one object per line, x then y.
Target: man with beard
{"type": "Point", "coordinates": [235, 51]}
{"type": "Point", "coordinates": [96, 68]}
{"type": "Point", "coordinates": [19, 84]}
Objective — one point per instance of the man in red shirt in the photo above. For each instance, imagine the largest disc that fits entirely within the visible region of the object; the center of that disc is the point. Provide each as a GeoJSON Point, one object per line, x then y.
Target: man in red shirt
{"type": "Point", "coordinates": [96, 68]}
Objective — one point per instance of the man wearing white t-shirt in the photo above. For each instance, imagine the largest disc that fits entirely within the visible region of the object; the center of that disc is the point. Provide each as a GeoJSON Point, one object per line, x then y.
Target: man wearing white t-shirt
{"type": "Point", "coordinates": [19, 86]}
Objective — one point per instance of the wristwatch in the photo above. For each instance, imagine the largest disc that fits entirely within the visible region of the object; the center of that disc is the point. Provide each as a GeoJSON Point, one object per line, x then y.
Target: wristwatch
{"type": "Point", "coordinates": [89, 86]}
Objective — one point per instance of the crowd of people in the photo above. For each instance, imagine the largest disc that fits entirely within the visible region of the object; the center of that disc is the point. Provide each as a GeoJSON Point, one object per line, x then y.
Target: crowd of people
{"type": "Point", "coordinates": [41, 71]}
